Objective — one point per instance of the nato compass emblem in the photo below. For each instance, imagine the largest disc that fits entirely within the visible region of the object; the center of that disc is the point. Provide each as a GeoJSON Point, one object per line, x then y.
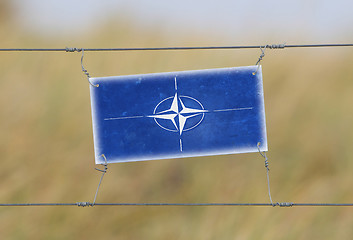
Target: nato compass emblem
{"type": "Point", "coordinates": [179, 113]}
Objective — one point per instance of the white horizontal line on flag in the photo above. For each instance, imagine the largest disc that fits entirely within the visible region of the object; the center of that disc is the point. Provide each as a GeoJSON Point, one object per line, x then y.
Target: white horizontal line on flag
{"type": "Point", "coordinates": [118, 118]}
{"type": "Point", "coordinates": [234, 109]}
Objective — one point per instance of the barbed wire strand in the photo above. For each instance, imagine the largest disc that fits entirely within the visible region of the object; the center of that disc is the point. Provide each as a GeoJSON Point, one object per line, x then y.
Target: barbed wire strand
{"type": "Point", "coordinates": [270, 46]}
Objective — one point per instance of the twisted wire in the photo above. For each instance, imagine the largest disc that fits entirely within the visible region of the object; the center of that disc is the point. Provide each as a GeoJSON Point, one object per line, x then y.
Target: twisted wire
{"type": "Point", "coordinates": [263, 154]}
{"type": "Point", "coordinates": [103, 172]}
{"type": "Point", "coordinates": [82, 67]}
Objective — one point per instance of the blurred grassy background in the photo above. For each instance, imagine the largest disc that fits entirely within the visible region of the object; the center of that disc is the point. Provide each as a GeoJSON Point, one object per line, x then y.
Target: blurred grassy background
{"type": "Point", "coordinates": [46, 145]}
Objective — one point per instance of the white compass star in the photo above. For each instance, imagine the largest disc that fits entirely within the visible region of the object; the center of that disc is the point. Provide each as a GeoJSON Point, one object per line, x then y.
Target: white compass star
{"type": "Point", "coordinates": [174, 112]}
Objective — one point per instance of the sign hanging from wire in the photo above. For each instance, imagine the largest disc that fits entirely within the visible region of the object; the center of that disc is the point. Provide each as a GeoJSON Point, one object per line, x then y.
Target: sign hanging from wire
{"type": "Point", "coordinates": [178, 114]}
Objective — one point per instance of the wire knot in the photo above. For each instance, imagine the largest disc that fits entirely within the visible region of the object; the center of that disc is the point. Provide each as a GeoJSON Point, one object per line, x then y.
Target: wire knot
{"type": "Point", "coordinates": [68, 49]}
{"type": "Point", "coordinates": [267, 164]}
{"type": "Point", "coordinates": [84, 70]}
{"type": "Point", "coordinates": [283, 204]}
{"type": "Point", "coordinates": [105, 164]}
{"type": "Point", "coordinates": [261, 55]}
{"type": "Point", "coordinates": [84, 204]}
{"type": "Point", "coordinates": [263, 154]}
{"type": "Point", "coordinates": [276, 46]}
{"type": "Point", "coordinates": [260, 59]}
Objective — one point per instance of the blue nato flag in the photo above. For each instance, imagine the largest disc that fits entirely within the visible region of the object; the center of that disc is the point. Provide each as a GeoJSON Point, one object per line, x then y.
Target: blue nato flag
{"type": "Point", "coordinates": [178, 114]}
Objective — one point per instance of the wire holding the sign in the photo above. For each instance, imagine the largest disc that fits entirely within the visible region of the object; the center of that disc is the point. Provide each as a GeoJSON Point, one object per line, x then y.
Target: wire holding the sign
{"type": "Point", "coordinates": [261, 47]}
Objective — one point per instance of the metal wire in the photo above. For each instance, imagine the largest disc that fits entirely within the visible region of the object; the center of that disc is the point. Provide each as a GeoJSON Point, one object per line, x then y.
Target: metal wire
{"type": "Point", "coordinates": [88, 204]}
{"type": "Point", "coordinates": [270, 46]}
{"type": "Point", "coordinates": [82, 67]}
{"type": "Point", "coordinates": [260, 59]}
{"type": "Point", "coordinates": [103, 172]}
{"type": "Point", "coordinates": [35, 204]}
{"type": "Point", "coordinates": [263, 154]}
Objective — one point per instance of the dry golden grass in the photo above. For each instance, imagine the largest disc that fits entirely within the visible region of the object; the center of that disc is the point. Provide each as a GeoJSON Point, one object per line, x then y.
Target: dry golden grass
{"type": "Point", "coordinates": [46, 147]}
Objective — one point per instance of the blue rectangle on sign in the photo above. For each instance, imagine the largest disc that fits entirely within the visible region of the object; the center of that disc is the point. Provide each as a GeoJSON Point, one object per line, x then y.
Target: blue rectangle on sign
{"type": "Point", "coordinates": [178, 114]}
